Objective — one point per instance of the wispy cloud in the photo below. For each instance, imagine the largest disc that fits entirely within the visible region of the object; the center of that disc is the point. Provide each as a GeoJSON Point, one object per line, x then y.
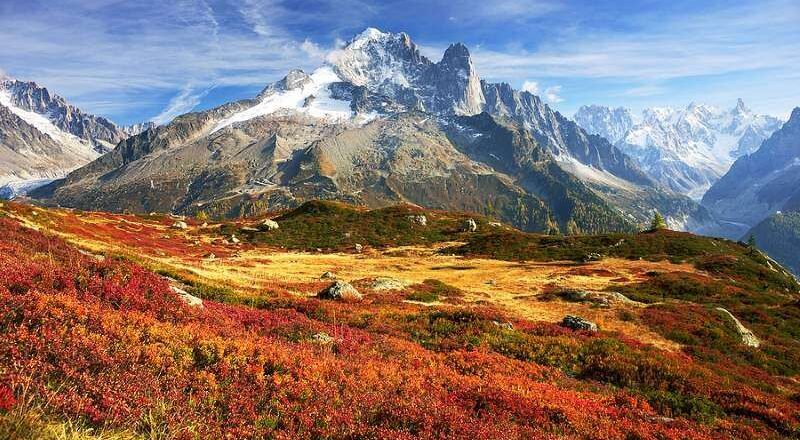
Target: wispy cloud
{"type": "Point", "coordinates": [127, 50]}
{"type": "Point", "coordinates": [553, 94]}
{"type": "Point", "coordinates": [750, 37]}
{"type": "Point", "coordinates": [184, 102]}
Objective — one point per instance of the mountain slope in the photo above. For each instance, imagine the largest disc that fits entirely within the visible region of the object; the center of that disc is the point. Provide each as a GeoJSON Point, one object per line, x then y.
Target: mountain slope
{"type": "Point", "coordinates": [685, 150]}
{"type": "Point", "coordinates": [377, 125]}
{"type": "Point", "coordinates": [779, 236]}
{"type": "Point", "coordinates": [44, 137]}
{"type": "Point", "coordinates": [761, 183]}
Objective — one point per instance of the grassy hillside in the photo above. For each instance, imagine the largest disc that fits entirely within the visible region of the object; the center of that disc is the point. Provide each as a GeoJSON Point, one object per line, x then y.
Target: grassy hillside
{"type": "Point", "coordinates": [104, 345]}
{"type": "Point", "coordinates": [337, 226]}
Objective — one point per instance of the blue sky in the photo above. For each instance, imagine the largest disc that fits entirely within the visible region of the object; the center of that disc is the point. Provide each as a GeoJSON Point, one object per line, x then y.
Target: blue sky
{"type": "Point", "coordinates": [154, 59]}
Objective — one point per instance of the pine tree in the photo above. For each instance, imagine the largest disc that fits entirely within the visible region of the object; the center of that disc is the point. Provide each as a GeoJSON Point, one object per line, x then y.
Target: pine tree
{"type": "Point", "coordinates": [751, 244]}
{"type": "Point", "coordinates": [658, 222]}
{"type": "Point", "coordinates": [572, 228]}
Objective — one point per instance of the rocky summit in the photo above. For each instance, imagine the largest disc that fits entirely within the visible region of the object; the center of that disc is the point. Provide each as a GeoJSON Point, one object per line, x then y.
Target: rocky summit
{"type": "Point", "coordinates": [686, 150]}
{"type": "Point", "coordinates": [379, 124]}
{"type": "Point", "coordinates": [42, 137]}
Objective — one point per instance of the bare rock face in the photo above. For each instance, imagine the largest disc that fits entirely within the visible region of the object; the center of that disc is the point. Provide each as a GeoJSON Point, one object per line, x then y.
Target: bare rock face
{"type": "Point", "coordinates": [760, 184]}
{"type": "Point", "coordinates": [31, 97]}
{"type": "Point", "coordinates": [42, 137]}
{"type": "Point", "coordinates": [340, 290]}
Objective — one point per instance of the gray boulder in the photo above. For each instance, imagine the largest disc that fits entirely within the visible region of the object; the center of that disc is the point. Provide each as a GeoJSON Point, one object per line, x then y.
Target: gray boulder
{"type": "Point", "coordinates": [578, 323]}
{"type": "Point", "coordinates": [340, 290]}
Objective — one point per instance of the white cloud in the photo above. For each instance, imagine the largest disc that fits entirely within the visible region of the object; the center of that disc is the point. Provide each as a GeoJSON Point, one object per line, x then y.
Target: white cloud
{"type": "Point", "coordinates": [531, 87]}
{"type": "Point", "coordinates": [735, 39]}
{"type": "Point", "coordinates": [552, 94]}
{"type": "Point", "coordinates": [183, 102]}
{"type": "Point", "coordinates": [174, 43]}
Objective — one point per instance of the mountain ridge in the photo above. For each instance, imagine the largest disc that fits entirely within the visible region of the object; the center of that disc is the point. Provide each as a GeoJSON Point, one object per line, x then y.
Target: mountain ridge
{"type": "Point", "coordinates": [385, 117]}
{"type": "Point", "coordinates": [686, 150]}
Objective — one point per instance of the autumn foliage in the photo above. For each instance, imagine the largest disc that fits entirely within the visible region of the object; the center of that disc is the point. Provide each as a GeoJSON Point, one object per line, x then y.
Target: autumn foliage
{"type": "Point", "coordinates": [108, 343]}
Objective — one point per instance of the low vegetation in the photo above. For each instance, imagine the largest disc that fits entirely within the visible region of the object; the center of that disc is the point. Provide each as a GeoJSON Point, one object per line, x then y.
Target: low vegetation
{"type": "Point", "coordinates": [336, 226]}
{"type": "Point", "coordinates": [103, 348]}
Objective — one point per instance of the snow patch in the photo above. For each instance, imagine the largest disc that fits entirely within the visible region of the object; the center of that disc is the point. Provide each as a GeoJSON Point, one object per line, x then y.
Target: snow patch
{"type": "Point", "coordinates": [323, 105]}
{"type": "Point", "coordinates": [73, 144]}
{"type": "Point", "coordinates": [589, 173]}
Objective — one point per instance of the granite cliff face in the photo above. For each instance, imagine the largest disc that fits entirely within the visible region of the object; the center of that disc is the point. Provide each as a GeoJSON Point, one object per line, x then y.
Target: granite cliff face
{"type": "Point", "coordinates": [379, 124]}
{"type": "Point", "coordinates": [44, 137]}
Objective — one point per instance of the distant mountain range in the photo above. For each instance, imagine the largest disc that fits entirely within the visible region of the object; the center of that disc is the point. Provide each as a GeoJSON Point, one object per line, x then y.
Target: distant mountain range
{"type": "Point", "coordinates": [43, 137]}
{"type": "Point", "coordinates": [685, 150]}
{"type": "Point", "coordinates": [377, 125]}
{"type": "Point", "coordinates": [760, 184]}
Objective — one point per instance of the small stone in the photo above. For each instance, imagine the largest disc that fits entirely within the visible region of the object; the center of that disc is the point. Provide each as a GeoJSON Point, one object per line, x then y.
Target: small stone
{"type": "Point", "coordinates": [469, 226]}
{"type": "Point", "coordinates": [578, 323]}
{"type": "Point", "coordinates": [418, 219]}
{"type": "Point", "coordinates": [234, 240]}
{"type": "Point", "coordinates": [328, 276]}
{"type": "Point", "coordinates": [591, 256]}
{"type": "Point", "coordinates": [358, 248]}
{"type": "Point", "coordinates": [503, 325]}
{"type": "Point", "coordinates": [386, 283]}
{"type": "Point", "coordinates": [322, 338]}
{"type": "Point", "coordinates": [491, 282]}
{"type": "Point", "coordinates": [495, 224]}
{"type": "Point", "coordinates": [209, 256]}
{"type": "Point", "coordinates": [180, 225]}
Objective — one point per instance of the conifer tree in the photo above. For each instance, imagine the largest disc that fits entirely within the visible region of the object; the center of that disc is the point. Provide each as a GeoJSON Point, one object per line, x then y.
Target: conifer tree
{"type": "Point", "coordinates": [751, 244]}
{"type": "Point", "coordinates": [658, 222]}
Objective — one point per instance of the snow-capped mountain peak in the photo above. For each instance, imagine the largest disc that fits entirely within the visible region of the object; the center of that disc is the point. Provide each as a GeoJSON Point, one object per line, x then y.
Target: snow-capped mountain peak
{"type": "Point", "coordinates": [686, 150]}
{"type": "Point", "coordinates": [391, 64]}
{"type": "Point", "coordinates": [44, 137]}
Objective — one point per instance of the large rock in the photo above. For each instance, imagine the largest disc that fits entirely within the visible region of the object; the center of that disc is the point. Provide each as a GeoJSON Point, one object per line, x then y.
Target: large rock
{"type": "Point", "coordinates": [748, 338]}
{"type": "Point", "coordinates": [385, 283]}
{"type": "Point", "coordinates": [268, 225]}
{"type": "Point", "coordinates": [190, 300]}
{"type": "Point", "coordinates": [578, 323]}
{"type": "Point", "coordinates": [340, 290]}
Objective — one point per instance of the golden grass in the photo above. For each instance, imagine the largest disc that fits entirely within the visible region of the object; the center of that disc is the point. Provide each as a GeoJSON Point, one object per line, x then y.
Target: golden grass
{"type": "Point", "coordinates": [512, 286]}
